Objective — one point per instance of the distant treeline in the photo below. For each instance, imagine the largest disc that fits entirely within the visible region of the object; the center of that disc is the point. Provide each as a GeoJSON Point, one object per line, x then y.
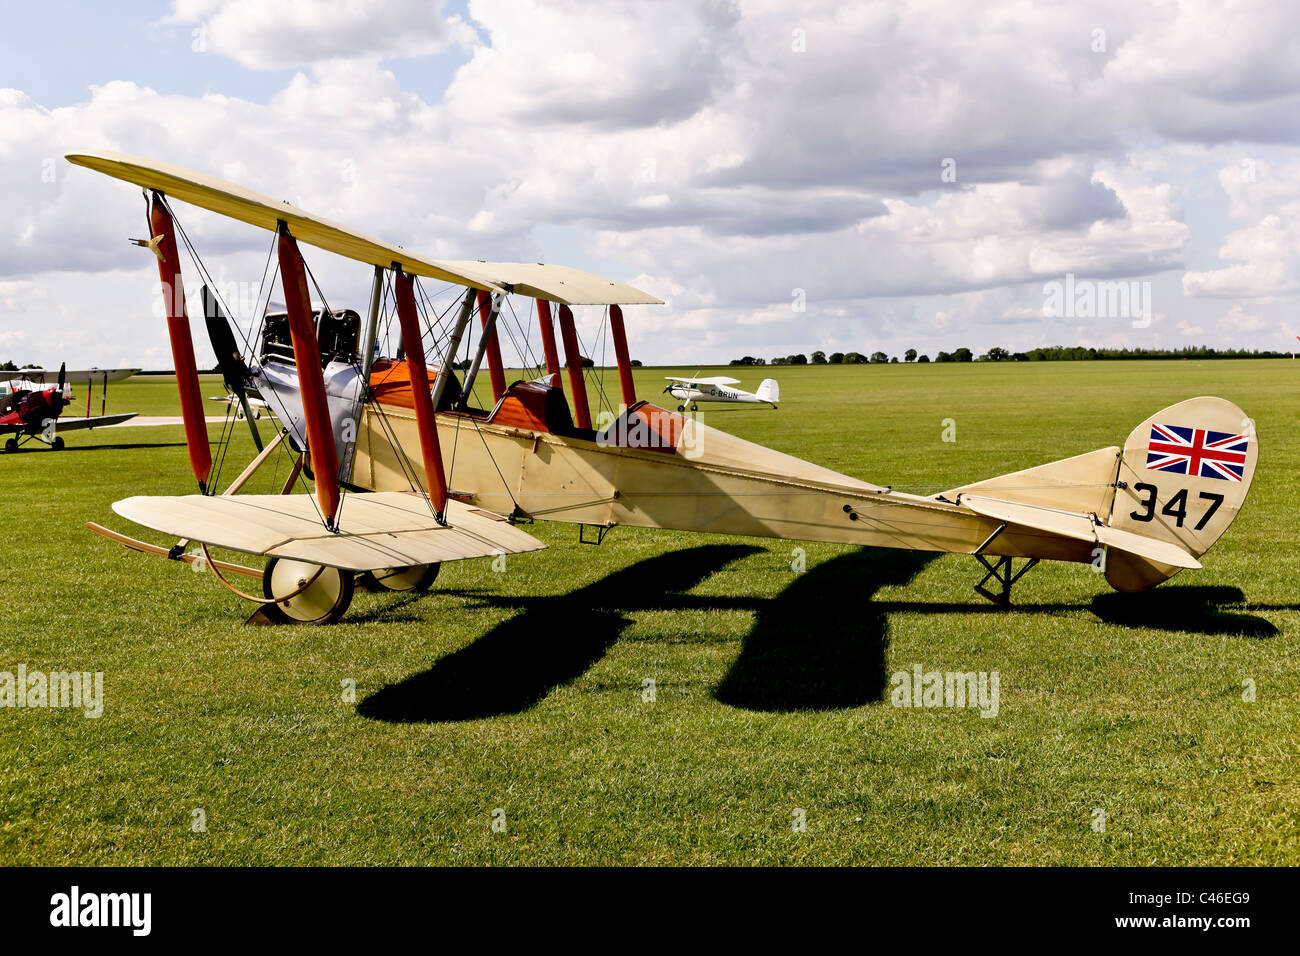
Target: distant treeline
{"type": "Point", "coordinates": [11, 367]}
{"type": "Point", "coordinates": [1054, 353]}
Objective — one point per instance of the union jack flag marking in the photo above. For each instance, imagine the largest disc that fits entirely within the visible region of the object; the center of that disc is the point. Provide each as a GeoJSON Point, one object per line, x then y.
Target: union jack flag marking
{"type": "Point", "coordinates": [1197, 451]}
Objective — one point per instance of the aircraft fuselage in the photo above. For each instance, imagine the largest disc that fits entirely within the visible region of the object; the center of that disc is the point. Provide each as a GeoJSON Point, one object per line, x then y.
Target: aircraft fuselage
{"type": "Point", "coordinates": [705, 480]}
{"type": "Point", "coordinates": [29, 412]}
{"type": "Point", "coordinates": [712, 393]}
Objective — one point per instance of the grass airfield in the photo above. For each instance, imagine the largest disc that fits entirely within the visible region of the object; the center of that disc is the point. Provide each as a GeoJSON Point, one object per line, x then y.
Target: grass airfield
{"type": "Point", "coordinates": [517, 698]}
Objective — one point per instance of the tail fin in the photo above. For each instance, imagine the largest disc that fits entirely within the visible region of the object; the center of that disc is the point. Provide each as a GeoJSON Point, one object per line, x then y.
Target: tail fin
{"type": "Point", "coordinates": [1184, 474]}
{"type": "Point", "coordinates": [768, 391]}
{"type": "Point", "coordinates": [1180, 479]}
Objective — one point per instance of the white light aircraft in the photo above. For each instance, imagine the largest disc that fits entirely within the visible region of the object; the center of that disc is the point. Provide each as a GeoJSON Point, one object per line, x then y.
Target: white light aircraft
{"type": "Point", "coordinates": [694, 390]}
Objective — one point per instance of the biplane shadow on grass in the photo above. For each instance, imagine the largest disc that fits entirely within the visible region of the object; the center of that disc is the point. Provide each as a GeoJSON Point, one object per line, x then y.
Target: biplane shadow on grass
{"type": "Point", "coordinates": [782, 665]}
{"type": "Point", "coordinates": [409, 474]}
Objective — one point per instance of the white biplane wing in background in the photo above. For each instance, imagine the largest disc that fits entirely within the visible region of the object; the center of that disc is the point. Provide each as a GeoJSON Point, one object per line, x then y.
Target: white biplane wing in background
{"type": "Point", "coordinates": [82, 376]}
{"type": "Point", "coordinates": [94, 421]}
{"type": "Point", "coordinates": [256, 405]}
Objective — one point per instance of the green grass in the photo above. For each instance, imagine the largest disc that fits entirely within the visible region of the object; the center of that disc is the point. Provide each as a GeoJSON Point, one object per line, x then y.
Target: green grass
{"type": "Point", "coordinates": [523, 690]}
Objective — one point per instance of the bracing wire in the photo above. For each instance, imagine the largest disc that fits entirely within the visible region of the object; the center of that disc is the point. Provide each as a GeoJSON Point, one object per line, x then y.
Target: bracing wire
{"type": "Point", "coordinates": [527, 360]}
{"type": "Point", "coordinates": [602, 402]}
{"type": "Point", "coordinates": [205, 276]}
{"type": "Point", "coordinates": [435, 324]}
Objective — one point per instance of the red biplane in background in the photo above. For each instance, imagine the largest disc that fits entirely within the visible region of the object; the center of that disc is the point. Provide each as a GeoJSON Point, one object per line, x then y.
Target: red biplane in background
{"type": "Point", "coordinates": [30, 407]}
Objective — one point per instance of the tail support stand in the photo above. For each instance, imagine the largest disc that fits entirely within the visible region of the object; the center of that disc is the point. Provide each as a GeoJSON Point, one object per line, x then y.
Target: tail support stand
{"type": "Point", "coordinates": [1003, 573]}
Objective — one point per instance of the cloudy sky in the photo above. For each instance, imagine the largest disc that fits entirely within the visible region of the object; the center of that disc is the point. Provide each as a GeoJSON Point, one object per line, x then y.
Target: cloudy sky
{"type": "Point", "coordinates": [787, 176]}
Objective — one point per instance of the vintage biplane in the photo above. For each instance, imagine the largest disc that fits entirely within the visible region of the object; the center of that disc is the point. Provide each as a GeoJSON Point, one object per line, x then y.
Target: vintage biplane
{"type": "Point", "coordinates": [409, 472]}
{"type": "Point", "coordinates": [719, 388]}
{"type": "Point", "coordinates": [32, 401]}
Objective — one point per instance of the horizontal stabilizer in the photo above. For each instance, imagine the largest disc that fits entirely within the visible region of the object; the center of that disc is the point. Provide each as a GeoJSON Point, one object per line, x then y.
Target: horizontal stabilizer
{"type": "Point", "coordinates": [1081, 527]}
{"type": "Point", "coordinates": [1084, 484]}
{"type": "Point", "coordinates": [381, 530]}
{"type": "Point", "coordinates": [1150, 548]}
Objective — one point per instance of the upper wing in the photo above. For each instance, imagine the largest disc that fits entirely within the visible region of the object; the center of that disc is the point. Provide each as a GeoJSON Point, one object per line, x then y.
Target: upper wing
{"type": "Point", "coordinates": [558, 283]}
{"type": "Point", "coordinates": [230, 199]}
{"type": "Point", "coordinates": [718, 380]}
{"type": "Point", "coordinates": [555, 283]}
{"type": "Point", "coordinates": [46, 376]}
{"type": "Point", "coordinates": [386, 529]}
{"type": "Point", "coordinates": [97, 421]}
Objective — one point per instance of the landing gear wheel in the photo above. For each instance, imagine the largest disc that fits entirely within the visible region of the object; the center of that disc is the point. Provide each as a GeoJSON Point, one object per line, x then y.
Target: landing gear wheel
{"type": "Point", "coordinates": [11, 444]}
{"type": "Point", "coordinates": [418, 577]}
{"type": "Point", "coordinates": [58, 443]}
{"type": "Point", "coordinates": [695, 408]}
{"type": "Point", "coordinates": [681, 408]}
{"type": "Point", "coordinates": [320, 601]}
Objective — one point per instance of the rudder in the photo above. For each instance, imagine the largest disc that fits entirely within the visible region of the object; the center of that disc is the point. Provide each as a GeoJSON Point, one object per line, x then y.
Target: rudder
{"type": "Point", "coordinates": [1184, 474]}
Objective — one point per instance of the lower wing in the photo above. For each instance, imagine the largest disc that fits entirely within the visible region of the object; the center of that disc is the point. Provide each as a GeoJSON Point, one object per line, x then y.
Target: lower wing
{"type": "Point", "coordinates": [377, 530]}
{"type": "Point", "coordinates": [97, 421]}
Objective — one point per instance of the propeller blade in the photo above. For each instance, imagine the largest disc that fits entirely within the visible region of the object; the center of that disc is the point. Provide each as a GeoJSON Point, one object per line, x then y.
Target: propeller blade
{"type": "Point", "coordinates": [234, 371]}
{"type": "Point", "coordinates": [229, 358]}
{"type": "Point", "coordinates": [63, 376]}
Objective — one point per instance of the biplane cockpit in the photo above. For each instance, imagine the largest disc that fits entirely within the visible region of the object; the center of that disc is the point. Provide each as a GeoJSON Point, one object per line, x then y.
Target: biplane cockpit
{"type": "Point", "coordinates": [338, 331]}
